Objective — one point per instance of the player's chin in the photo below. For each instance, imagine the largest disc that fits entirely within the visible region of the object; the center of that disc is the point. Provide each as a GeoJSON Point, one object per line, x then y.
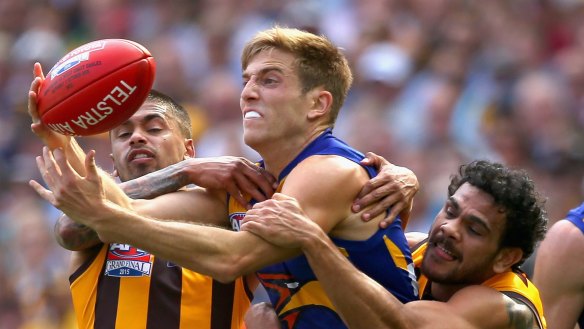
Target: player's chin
{"type": "Point", "coordinates": [251, 137]}
{"type": "Point", "coordinates": [141, 170]}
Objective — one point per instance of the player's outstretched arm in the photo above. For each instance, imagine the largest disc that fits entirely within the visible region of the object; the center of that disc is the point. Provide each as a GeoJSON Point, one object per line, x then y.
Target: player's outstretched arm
{"type": "Point", "coordinates": [394, 187]}
{"type": "Point", "coordinates": [235, 175]}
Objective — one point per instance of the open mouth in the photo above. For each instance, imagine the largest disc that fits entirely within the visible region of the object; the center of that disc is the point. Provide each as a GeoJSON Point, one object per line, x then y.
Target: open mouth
{"type": "Point", "coordinates": [140, 155]}
{"type": "Point", "coordinates": [445, 251]}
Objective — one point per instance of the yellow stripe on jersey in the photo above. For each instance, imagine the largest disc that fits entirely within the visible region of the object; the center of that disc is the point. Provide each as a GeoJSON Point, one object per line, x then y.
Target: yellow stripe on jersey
{"type": "Point", "coordinates": [311, 293]}
{"type": "Point", "coordinates": [196, 290]}
{"type": "Point", "coordinates": [85, 309]}
{"type": "Point", "coordinates": [133, 302]}
{"type": "Point", "coordinates": [241, 304]}
{"type": "Point", "coordinates": [396, 254]}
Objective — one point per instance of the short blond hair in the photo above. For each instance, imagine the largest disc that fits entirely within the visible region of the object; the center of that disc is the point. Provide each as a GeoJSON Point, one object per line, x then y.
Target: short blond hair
{"type": "Point", "coordinates": [318, 61]}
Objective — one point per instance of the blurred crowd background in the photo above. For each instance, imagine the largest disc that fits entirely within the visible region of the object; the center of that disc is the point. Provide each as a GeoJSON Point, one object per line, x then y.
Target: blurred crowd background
{"type": "Point", "coordinates": [437, 84]}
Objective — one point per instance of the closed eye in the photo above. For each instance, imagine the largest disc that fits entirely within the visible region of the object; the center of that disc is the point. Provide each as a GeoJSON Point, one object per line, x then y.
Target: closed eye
{"type": "Point", "coordinates": [123, 134]}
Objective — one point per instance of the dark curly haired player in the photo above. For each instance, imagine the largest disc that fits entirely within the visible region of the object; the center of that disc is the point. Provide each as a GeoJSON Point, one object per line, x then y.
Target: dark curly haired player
{"type": "Point", "coordinates": [468, 265]}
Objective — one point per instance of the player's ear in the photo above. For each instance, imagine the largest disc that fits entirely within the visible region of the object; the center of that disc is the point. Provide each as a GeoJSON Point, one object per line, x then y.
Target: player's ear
{"type": "Point", "coordinates": [189, 149]}
{"type": "Point", "coordinates": [322, 101]}
{"type": "Point", "coordinates": [507, 257]}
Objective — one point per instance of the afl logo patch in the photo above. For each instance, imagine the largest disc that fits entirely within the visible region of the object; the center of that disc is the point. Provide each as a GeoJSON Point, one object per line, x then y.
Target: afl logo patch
{"type": "Point", "coordinates": [124, 260]}
{"type": "Point", "coordinates": [235, 220]}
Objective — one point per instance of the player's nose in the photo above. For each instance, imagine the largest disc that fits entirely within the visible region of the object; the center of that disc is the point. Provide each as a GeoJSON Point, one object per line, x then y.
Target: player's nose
{"type": "Point", "coordinates": [249, 90]}
{"type": "Point", "coordinates": [451, 229]}
{"type": "Point", "coordinates": [137, 137]}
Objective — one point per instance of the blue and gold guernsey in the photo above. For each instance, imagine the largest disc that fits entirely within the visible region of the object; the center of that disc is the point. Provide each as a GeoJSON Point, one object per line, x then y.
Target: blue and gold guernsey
{"type": "Point", "coordinates": [576, 217]}
{"type": "Point", "coordinates": [294, 291]}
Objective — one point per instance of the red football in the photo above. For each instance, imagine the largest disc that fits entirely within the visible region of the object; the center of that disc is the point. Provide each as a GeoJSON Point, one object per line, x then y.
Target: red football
{"type": "Point", "coordinates": [96, 87]}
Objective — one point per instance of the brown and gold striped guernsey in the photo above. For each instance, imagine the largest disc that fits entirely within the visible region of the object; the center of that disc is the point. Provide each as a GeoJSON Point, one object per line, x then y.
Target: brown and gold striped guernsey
{"type": "Point", "coordinates": [126, 288]}
{"type": "Point", "coordinates": [513, 284]}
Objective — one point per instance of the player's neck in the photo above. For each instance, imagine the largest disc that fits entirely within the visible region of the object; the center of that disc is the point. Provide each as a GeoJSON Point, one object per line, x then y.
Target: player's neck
{"type": "Point", "coordinates": [279, 154]}
{"type": "Point", "coordinates": [442, 292]}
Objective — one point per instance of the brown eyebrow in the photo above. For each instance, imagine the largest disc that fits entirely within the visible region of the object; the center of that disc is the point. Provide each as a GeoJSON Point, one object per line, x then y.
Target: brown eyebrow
{"type": "Point", "coordinates": [263, 71]}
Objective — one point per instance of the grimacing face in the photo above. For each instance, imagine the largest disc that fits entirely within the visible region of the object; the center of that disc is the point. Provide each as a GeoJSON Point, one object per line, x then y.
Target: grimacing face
{"type": "Point", "coordinates": [273, 106]}
{"type": "Point", "coordinates": [147, 142]}
{"type": "Point", "coordinates": [464, 238]}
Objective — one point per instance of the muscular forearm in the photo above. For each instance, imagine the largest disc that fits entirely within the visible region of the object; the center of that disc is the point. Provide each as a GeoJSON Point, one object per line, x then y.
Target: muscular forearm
{"type": "Point", "coordinates": [157, 183]}
{"type": "Point", "coordinates": [75, 156]}
{"type": "Point", "coordinates": [361, 301]}
{"type": "Point", "coordinates": [217, 252]}
{"type": "Point", "coordinates": [75, 236]}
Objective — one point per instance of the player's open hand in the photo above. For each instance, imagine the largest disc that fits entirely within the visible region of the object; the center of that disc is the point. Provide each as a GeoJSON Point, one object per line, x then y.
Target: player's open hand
{"type": "Point", "coordinates": [77, 196]}
{"type": "Point", "coordinates": [280, 221]}
{"type": "Point", "coordinates": [393, 187]}
{"type": "Point", "coordinates": [50, 138]}
{"type": "Point", "coordinates": [238, 176]}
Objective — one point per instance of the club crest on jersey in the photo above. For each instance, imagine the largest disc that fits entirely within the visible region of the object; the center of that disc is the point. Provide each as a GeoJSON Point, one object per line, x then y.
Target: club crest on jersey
{"type": "Point", "coordinates": [123, 260]}
{"type": "Point", "coordinates": [235, 219]}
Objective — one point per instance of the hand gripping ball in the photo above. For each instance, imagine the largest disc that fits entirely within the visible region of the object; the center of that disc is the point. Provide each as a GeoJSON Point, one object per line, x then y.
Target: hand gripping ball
{"type": "Point", "coordinates": [96, 87]}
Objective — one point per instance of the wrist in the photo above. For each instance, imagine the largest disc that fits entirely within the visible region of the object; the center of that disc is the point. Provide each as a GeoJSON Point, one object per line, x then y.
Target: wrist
{"type": "Point", "coordinates": [189, 171]}
{"type": "Point", "coordinates": [313, 242]}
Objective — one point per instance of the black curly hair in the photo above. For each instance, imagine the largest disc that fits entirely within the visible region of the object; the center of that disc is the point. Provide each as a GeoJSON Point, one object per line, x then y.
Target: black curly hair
{"type": "Point", "coordinates": [514, 191]}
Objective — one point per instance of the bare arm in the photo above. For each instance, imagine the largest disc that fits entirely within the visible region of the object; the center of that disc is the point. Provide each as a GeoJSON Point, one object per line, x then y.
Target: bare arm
{"type": "Point", "coordinates": [74, 236]}
{"type": "Point", "coordinates": [237, 175]}
{"type": "Point", "coordinates": [559, 275]}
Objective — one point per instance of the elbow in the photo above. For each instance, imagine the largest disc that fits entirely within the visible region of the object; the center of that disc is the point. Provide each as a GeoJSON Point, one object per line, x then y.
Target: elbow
{"type": "Point", "coordinates": [74, 237]}
{"type": "Point", "coordinates": [65, 238]}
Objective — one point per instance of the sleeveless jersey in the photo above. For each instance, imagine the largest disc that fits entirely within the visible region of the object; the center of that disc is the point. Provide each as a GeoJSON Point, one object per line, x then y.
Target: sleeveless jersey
{"type": "Point", "coordinates": [124, 287]}
{"type": "Point", "coordinates": [294, 291]}
{"type": "Point", "coordinates": [512, 284]}
{"type": "Point", "coordinates": [576, 217]}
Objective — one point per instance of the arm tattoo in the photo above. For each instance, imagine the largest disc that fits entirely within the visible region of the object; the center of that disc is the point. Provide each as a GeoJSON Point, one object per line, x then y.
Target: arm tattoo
{"type": "Point", "coordinates": [520, 316]}
{"type": "Point", "coordinates": [156, 183]}
{"type": "Point", "coordinates": [80, 237]}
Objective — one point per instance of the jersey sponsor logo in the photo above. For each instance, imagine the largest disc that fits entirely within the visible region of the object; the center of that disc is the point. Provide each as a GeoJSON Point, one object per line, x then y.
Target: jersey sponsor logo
{"type": "Point", "coordinates": [235, 220]}
{"type": "Point", "coordinates": [123, 260]}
